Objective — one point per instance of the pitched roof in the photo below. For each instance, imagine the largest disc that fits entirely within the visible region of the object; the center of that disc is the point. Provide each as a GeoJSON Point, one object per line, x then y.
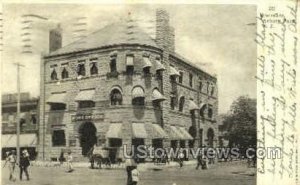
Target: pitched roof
{"type": "Point", "coordinates": [114, 34]}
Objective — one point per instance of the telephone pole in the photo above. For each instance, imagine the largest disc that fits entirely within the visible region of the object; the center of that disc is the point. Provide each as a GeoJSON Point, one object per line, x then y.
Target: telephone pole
{"type": "Point", "coordinates": [18, 110]}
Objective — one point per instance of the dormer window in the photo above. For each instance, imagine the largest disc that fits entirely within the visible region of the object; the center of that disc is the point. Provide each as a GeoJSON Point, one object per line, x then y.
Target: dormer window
{"type": "Point", "coordinates": [54, 75]}
{"type": "Point", "coordinates": [94, 69]}
{"type": "Point", "coordinates": [64, 73]}
{"type": "Point", "coordinates": [81, 69]}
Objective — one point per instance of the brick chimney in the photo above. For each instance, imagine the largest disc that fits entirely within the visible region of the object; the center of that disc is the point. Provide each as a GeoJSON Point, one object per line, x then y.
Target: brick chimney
{"type": "Point", "coordinates": [55, 39]}
{"type": "Point", "coordinates": [165, 37]}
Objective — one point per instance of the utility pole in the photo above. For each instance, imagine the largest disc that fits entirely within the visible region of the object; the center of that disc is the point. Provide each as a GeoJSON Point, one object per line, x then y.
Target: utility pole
{"type": "Point", "coordinates": [18, 110]}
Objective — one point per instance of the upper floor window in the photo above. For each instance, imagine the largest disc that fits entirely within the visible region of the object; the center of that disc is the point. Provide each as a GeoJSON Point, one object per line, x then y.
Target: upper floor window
{"type": "Point", "coordinates": [210, 112]}
{"type": "Point", "coordinates": [129, 64]}
{"type": "Point", "coordinates": [138, 96]}
{"type": "Point", "coordinates": [191, 80]}
{"type": "Point", "coordinates": [207, 87]}
{"type": "Point", "coordinates": [81, 69]}
{"type": "Point", "coordinates": [94, 69]}
{"type": "Point", "coordinates": [200, 85]}
{"type": "Point", "coordinates": [113, 65]}
{"type": "Point", "coordinates": [212, 90]}
{"type": "Point", "coordinates": [33, 119]}
{"type": "Point", "coordinates": [116, 97]}
{"type": "Point", "coordinates": [58, 106]}
{"type": "Point", "coordinates": [86, 104]}
{"type": "Point", "coordinates": [202, 110]}
{"type": "Point", "coordinates": [54, 75]}
{"type": "Point", "coordinates": [58, 138]}
{"type": "Point", "coordinates": [64, 73]}
{"type": "Point", "coordinates": [172, 102]}
{"type": "Point", "coordinates": [181, 103]}
{"type": "Point", "coordinates": [180, 77]}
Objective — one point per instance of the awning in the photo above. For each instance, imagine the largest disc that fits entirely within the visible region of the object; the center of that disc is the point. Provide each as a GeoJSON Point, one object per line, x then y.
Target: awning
{"type": "Point", "coordinates": [173, 71]}
{"type": "Point", "coordinates": [129, 61]}
{"type": "Point", "coordinates": [160, 133]}
{"type": "Point", "coordinates": [175, 134]}
{"type": "Point", "coordinates": [186, 135]}
{"type": "Point", "coordinates": [157, 96]}
{"type": "Point", "coordinates": [114, 131]}
{"type": "Point", "coordinates": [147, 62]}
{"type": "Point", "coordinates": [138, 92]}
{"type": "Point", "coordinates": [26, 140]}
{"type": "Point", "coordinates": [57, 98]}
{"type": "Point", "coordinates": [193, 105]}
{"type": "Point", "coordinates": [159, 65]}
{"type": "Point", "coordinates": [85, 95]}
{"type": "Point", "coordinates": [138, 130]}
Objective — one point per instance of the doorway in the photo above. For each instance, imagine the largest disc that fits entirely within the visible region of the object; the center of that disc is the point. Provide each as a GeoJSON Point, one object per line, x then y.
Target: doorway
{"type": "Point", "coordinates": [87, 136]}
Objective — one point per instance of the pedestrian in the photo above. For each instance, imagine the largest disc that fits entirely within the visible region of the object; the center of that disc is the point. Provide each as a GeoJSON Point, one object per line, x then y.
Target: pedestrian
{"type": "Point", "coordinates": [61, 158]}
{"type": "Point", "coordinates": [11, 160]}
{"type": "Point", "coordinates": [135, 175]}
{"type": "Point", "coordinates": [24, 164]}
{"type": "Point", "coordinates": [199, 161]}
{"type": "Point", "coordinates": [69, 162]}
{"type": "Point", "coordinates": [129, 163]}
{"type": "Point", "coordinates": [181, 157]}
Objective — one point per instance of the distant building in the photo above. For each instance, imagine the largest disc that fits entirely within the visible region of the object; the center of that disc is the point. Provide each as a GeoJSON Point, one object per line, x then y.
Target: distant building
{"type": "Point", "coordinates": [28, 124]}
{"type": "Point", "coordinates": [124, 88]}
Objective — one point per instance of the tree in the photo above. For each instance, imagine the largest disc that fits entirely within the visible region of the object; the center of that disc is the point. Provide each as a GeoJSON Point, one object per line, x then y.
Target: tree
{"type": "Point", "coordinates": [240, 123]}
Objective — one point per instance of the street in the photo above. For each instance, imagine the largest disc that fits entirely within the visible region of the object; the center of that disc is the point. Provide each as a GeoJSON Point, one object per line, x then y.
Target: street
{"type": "Point", "coordinates": [231, 173]}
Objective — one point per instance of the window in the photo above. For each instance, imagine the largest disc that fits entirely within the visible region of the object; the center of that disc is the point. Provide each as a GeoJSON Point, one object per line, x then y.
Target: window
{"type": "Point", "coordinates": [212, 90]}
{"type": "Point", "coordinates": [210, 112]}
{"type": "Point", "coordinates": [191, 80]}
{"type": "Point", "coordinates": [58, 138]}
{"type": "Point", "coordinates": [86, 104]}
{"type": "Point", "coordinates": [129, 64]}
{"type": "Point", "coordinates": [181, 103]}
{"type": "Point", "coordinates": [172, 102]}
{"type": "Point", "coordinates": [115, 97]}
{"type": "Point", "coordinates": [115, 142]}
{"type": "Point", "coordinates": [33, 119]}
{"type": "Point", "coordinates": [180, 77]}
{"type": "Point", "coordinates": [146, 70]}
{"type": "Point", "coordinates": [200, 85]}
{"type": "Point", "coordinates": [58, 106]}
{"type": "Point", "coordinates": [94, 69]}
{"type": "Point", "coordinates": [139, 101]}
{"type": "Point", "coordinates": [202, 110]}
{"type": "Point", "coordinates": [113, 65]}
{"type": "Point", "coordinates": [207, 88]}
{"type": "Point", "coordinates": [64, 73]}
{"type": "Point", "coordinates": [81, 69]}
{"type": "Point", "coordinates": [54, 75]}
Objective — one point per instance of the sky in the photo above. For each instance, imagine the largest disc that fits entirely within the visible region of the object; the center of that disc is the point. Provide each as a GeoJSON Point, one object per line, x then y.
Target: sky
{"type": "Point", "coordinates": [217, 38]}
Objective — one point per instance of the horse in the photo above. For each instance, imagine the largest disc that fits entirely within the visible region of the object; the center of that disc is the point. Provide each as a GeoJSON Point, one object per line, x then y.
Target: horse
{"type": "Point", "coordinates": [98, 157]}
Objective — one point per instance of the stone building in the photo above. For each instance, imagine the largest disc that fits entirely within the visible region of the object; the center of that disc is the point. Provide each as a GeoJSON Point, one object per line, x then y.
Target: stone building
{"type": "Point", "coordinates": [28, 123]}
{"type": "Point", "coordinates": [124, 88]}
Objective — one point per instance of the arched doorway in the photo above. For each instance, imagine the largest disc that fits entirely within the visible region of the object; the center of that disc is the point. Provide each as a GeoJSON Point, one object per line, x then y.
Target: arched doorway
{"type": "Point", "coordinates": [210, 137]}
{"type": "Point", "coordinates": [87, 136]}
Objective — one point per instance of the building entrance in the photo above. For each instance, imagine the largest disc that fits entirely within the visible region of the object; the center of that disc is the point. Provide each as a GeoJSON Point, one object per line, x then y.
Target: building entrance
{"type": "Point", "coordinates": [87, 136]}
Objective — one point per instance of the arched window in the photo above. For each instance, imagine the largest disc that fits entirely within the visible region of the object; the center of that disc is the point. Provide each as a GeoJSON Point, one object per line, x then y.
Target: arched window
{"type": "Point", "coordinates": [116, 97]}
{"type": "Point", "coordinates": [210, 112]}
{"type": "Point", "coordinates": [94, 69]}
{"type": "Point", "coordinates": [181, 103]}
{"type": "Point", "coordinates": [202, 110]}
{"type": "Point", "coordinates": [138, 96]}
{"type": "Point", "coordinates": [54, 75]}
{"type": "Point", "coordinates": [113, 65]}
{"type": "Point", "coordinates": [64, 73]}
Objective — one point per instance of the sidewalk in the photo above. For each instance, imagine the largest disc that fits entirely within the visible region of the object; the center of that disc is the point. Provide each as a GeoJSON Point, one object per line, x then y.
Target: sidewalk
{"type": "Point", "coordinates": [141, 166]}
